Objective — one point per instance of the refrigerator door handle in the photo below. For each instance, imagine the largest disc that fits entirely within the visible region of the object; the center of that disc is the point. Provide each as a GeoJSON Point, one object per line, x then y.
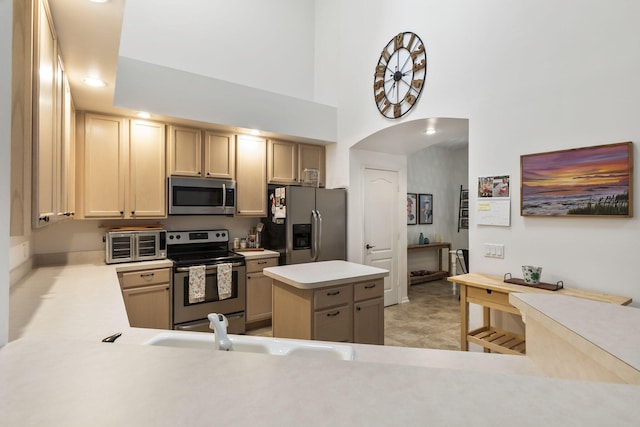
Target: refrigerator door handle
{"type": "Point", "coordinates": [318, 235]}
{"type": "Point", "coordinates": [314, 225]}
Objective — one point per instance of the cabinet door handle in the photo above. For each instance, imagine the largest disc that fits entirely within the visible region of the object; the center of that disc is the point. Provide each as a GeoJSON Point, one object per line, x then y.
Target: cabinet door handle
{"type": "Point", "coordinates": [330, 294]}
{"type": "Point", "coordinates": [358, 308]}
{"type": "Point", "coordinates": [489, 291]}
{"type": "Point", "coordinates": [370, 286]}
{"type": "Point", "coordinates": [133, 212]}
{"type": "Point", "coordinates": [262, 262]}
{"type": "Point", "coordinates": [333, 313]}
{"type": "Point", "coordinates": [147, 274]}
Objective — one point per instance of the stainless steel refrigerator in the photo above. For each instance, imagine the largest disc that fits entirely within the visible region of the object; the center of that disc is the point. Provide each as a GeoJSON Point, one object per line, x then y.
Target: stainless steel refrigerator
{"type": "Point", "coordinates": [306, 224]}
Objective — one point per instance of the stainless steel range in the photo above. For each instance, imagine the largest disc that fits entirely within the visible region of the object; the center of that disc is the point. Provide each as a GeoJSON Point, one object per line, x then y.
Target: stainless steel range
{"type": "Point", "coordinates": [210, 248]}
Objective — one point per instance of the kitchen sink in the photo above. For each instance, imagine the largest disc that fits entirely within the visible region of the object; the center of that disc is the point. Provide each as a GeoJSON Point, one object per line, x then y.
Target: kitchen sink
{"type": "Point", "coordinates": [251, 344]}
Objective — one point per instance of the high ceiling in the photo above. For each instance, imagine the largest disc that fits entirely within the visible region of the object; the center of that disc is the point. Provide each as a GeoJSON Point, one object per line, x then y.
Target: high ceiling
{"type": "Point", "coordinates": [89, 36]}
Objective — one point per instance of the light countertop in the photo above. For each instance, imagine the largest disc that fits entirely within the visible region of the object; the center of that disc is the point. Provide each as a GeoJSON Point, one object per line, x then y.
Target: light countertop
{"type": "Point", "coordinates": [321, 274]}
{"type": "Point", "coordinates": [249, 255]}
{"type": "Point", "coordinates": [57, 372]}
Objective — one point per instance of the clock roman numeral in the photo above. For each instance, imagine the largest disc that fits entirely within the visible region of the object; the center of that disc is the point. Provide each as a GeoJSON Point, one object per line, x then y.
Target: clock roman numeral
{"type": "Point", "coordinates": [417, 52]}
{"type": "Point", "coordinates": [398, 41]}
{"type": "Point", "coordinates": [397, 112]}
{"type": "Point", "coordinates": [380, 70]}
{"type": "Point", "coordinates": [419, 66]}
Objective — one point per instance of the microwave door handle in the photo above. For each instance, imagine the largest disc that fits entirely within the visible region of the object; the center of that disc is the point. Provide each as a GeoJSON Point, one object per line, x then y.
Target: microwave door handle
{"type": "Point", "coordinates": [224, 195]}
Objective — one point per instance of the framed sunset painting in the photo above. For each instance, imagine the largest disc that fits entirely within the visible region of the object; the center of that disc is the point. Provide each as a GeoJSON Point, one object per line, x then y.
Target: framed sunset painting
{"type": "Point", "coordinates": [589, 181]}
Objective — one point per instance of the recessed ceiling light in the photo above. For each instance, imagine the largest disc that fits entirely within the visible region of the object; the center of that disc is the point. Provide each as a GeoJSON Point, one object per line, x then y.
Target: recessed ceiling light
{"type": "Point", "coordinates": [430, 131]}
{"type": "Point", "coordinates": [144, 115]}
{"type": "Point", "coordinates": [255, 132]}
{"type": "Point", "coordinates": [92, 81]}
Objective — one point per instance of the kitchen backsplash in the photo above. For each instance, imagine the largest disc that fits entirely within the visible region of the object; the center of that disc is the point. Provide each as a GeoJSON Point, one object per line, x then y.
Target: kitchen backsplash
{"type": "Point", "coordinates": [86, 235]}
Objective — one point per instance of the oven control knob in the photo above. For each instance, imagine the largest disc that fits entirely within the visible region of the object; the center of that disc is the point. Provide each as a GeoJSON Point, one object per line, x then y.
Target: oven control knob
{"type": "Point", "coordinates": [178, 237]}
{"type": "Point", "coordinates": [217, 234]}
{"type": "Point", "coordinates": [224, 234]}
{"type": "Point", "coordinates": [171, 237]}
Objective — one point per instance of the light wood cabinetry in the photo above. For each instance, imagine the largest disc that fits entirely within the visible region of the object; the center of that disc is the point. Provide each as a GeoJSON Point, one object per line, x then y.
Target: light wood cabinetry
{"type": "Point", "coordinates": [282, 162]}
{"type": "Point", "coordinates": [191, 155]}
{"type": "Point", "coordinates": [52, 135]}
{"type": "Point", "coordinates": [352, 312]}
{"type": "Point", "coordinates": [184, 151]}
{"type": "Point", "coordinates": [121, 167]}
{"type": "Point", "coordinates": [147, 189]}
{"type": "Point", "coordinates": [251, 176]}
{"type": "Point", "coordinates": [219, 155]}
{"type": "Point", "coordinates": [286, 162]}
{"type": "Point", "coordinates": [147, 297]}
{"type": "Point", "coordinates": [311, 157]}
{"type": "Point", "coordinates": [259, 289]}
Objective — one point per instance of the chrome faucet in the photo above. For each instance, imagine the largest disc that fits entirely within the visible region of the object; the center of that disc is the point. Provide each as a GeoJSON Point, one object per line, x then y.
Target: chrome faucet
{"type": "Point", "coordinates": [219, 323]}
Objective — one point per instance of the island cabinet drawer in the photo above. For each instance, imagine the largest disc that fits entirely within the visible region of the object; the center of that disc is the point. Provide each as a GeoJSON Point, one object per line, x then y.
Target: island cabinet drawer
{"type": "Point", "coordinates": [367, 290]}
{"type": "Point", "coordinates": [145, 277]}
{"type": "Point", "coordinates": [334, 324]}
{"type": "Point", "coordinates": [256, 265]}
{"type": "Point", "coordinates": [331, 297]}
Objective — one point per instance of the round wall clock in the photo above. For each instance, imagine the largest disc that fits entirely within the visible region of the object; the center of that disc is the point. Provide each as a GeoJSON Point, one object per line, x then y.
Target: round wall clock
{"type": "Point", "coordinates": [399, 75]}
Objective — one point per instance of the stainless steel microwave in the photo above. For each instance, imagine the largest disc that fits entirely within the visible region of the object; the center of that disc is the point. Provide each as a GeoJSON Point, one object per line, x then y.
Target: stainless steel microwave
{"type": "Point", "coordinates": [201, 196]}
{"type": "Point", "coordinates": [130, 246]}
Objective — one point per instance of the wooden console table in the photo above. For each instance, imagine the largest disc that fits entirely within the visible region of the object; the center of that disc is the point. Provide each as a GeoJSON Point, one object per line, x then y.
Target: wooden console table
{"type": "Point", "coordinates": [440, 274]}
{"type": "Point", "coordinates": [492, 292]}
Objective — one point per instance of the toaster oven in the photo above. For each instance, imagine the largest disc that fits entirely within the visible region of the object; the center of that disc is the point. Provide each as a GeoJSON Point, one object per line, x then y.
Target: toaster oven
{"type": "Point", "coordinates": [131, 246]}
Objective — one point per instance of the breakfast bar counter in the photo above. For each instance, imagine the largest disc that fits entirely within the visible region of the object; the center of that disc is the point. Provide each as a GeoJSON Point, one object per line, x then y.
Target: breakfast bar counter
{"type": "Point", "coordinates": [56, 372]}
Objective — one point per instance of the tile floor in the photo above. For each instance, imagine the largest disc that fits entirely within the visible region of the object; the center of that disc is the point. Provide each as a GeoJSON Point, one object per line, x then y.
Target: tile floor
{"type": "Point", "coordinates": [431, 319]}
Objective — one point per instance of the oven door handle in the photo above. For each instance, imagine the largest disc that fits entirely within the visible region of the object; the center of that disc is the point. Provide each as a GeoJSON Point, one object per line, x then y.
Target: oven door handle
{"type": "Point", "coordinates": [209, 267]}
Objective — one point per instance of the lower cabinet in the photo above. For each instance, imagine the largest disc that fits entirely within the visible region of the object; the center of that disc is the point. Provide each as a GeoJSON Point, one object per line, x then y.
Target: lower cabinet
{"type": "Point", "coordinates": [147, 297]}
{"type": "Point", "coordinates": [259, 289]}
{"type": "Point", "coordinates": [352, 312]}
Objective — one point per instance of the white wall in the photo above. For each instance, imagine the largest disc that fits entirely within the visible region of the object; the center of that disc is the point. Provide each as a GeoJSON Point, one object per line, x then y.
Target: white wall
{"type": "Point", "coordinates": [256, 43]}
{"type": "Point", "coordinates": [6, 27]}
{"type": "Point", "coordinates": [531, 77]}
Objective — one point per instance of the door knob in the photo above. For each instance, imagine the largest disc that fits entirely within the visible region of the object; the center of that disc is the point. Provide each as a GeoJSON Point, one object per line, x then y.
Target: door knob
{"type": "Point", "coordinates": [369, 246]}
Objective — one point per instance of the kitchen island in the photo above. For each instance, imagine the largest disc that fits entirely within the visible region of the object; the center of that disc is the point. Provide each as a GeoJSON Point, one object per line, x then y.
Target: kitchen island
{"type": "Point", "coordinates": [329, 301]}
{"type": "Point", "coordinates": [56, 372]}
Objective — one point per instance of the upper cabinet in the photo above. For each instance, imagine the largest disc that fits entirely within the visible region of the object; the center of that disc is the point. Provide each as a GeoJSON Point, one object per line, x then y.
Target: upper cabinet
{"type": "Point", "coordinates": [219, 155]}
{"type": "Point", "coordinates": [251, 176]}
{"type": "Point", "coordinates": [52, 127]}
{"type": "Point", "coordinates": [286, 162]}
{"type": "Point", "coordinates": [189, 155]}
{"type": "Point", "coordinates": [282, 162]}
{"type": "Point", "coordinates": [311, 157]}
{"type": "Point", "coordinates": [121, 167]}
{"type": "Point", "coordinates": [147, 186]}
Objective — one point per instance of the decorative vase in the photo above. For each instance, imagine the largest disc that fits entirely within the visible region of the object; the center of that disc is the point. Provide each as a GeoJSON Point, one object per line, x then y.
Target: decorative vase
{"type": "Point", "coordinates": [421, 239]}
{"type": "Point", "coordinates": [531, 274]}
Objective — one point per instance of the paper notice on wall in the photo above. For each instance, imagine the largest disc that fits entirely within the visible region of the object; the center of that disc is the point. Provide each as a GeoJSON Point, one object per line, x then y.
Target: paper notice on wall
{"type": "Point", "coordinates": [494, 212]}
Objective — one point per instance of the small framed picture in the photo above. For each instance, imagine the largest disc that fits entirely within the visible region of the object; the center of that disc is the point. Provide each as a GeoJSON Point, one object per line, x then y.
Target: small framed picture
{"type": "Point", "coordinates": [412, 207]}
{"type": "Point", "coordinates": [426, 209]}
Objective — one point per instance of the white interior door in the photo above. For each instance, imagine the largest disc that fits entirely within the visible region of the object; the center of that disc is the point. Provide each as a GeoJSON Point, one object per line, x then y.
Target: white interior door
{"type": "Point", "coordinates": [380, 227]}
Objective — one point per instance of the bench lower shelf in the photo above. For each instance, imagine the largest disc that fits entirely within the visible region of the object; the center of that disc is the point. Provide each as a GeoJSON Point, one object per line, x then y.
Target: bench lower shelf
{"type": "Point", "coordinates": [435, 275]}
{"type": "Point", "coordinates": [498, 340]}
